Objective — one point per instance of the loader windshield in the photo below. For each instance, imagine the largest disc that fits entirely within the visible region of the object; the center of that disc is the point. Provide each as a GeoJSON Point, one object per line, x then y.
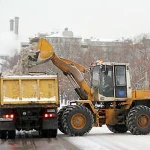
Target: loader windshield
{"type": "Point", "coordinates": [106, 81]}
{"type": "Point", "coordinates": [102, 80]}
{"type": "Point", "coordinates": [95, 78]}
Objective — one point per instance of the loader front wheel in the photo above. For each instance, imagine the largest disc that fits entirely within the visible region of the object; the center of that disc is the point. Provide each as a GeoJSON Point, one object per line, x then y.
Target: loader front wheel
{"type": "Point", "coordinates": [118, 128]}
{"type": "Point", "coordinates": [77, 120]}
{"type": "Point", "coordinates": [138, 120]}
{"type": "Point", "coordinates": [60, 114]}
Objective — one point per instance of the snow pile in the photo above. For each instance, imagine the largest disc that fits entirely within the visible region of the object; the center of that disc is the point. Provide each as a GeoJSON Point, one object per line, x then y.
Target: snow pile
{"type": "Point", "coordinates": [22, 66]}
{"type": "Point", "coordinates": [7, 72]}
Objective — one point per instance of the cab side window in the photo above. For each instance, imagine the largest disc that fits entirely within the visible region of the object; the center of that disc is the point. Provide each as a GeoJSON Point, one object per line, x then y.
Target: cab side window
{"type": "Point", "coordinates": [120, 76]}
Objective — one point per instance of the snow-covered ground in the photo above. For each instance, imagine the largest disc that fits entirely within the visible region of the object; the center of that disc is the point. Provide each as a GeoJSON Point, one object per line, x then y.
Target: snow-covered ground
{"type": "Point", "coordinates": [100, 138]}
{"type": "Point", "coordinates": [97, 139]}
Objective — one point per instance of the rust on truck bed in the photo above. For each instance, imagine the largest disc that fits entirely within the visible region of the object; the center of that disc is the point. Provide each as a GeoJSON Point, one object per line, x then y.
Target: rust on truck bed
{"type": "Point", "coordinates": [41, 89]}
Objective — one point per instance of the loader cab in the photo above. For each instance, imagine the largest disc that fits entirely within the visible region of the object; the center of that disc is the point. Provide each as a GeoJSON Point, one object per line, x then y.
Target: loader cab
{"type": "Point", "coordinates": [110, 81]}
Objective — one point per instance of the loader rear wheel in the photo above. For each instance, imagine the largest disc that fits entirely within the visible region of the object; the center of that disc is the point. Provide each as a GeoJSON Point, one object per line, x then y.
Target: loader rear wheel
{"type": "Point", "coordinates": [60, 114]}
{"type": "Point", "coordinates": [77, 120]}
{"type": "Point", "coordinates": [138, 120]}
{"type": "Point", "coordinates": [118, 128]}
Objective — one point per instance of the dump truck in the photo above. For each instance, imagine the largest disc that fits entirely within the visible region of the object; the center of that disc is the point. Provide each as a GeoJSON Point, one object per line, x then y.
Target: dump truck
{"type": "Point", "coordinates": [109, 99]}
{"type": "Point", "coordinates": [28, 103]}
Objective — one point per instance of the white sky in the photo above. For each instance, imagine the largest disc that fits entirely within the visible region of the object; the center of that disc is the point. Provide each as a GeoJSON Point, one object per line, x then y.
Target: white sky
{"type": "Point", "coordinates": [87, 18]}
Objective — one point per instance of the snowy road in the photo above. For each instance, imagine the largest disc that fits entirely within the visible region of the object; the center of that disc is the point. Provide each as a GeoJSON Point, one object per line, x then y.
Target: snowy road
{"type": "Point", "coordinates": [97, 139]}
{"type": "Point", "coordinates": [103, 139]}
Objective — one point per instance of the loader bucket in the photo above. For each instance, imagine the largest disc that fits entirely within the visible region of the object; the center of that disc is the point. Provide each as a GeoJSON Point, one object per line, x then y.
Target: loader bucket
{"type": "Point", "coordinates": [45, 48]}
{"type": "Point", "coordinates": [44, 53]}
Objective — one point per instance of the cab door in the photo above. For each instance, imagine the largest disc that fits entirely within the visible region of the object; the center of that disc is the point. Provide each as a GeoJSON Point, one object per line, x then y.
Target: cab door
{"type": "Point", "coordinates": [120, 81]}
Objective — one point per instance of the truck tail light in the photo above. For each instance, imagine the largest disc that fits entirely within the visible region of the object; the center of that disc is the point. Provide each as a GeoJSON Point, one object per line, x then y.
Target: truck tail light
{"type": "Point", "coordinates": [8, 116]}
{"type": "Point", "coordinates": [48, 115]}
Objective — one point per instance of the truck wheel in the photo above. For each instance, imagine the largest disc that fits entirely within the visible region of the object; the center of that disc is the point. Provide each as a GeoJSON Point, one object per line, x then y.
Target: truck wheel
{"type": "Point", "coordinates": [11, 134]}
{"type": "Point", "coordinates": [44, 133]}
{"type": "Point", "coordinates": [77, 120]}
{"type": "Point", "coordinates": [53, 133]}
{"type": "Point", "coordinates": [60, 114]}
{"type": "Point", "coordinates": [3, 134]}
{"type": "Point", "coordinates": [138, 120]}
{"type": "Point", "coordinates": [118, 128]}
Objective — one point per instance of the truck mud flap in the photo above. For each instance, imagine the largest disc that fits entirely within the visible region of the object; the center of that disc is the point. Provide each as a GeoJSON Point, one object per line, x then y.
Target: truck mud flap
{"type": "Point", "coordinates": [50, 123]}
{"type": "Point", "coordinates": [7, 125]}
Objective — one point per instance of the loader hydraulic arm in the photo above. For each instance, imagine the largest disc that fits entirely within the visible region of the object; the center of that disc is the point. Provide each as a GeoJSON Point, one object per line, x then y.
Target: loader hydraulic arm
{"type": "Point", "coordinates": [68, 67]}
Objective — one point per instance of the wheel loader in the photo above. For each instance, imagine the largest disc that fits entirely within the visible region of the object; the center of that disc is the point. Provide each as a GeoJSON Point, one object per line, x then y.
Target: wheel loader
{"type": "Point", "coordinates": [109, 100]}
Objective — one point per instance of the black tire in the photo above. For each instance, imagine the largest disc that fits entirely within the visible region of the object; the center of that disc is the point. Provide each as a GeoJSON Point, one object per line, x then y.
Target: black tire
{"type": "Point", "coordinates": [3, 134]}
{"type": "Point", "coordinates": [77, 120]}
{"type": "Point", "coordinates": [53, 133]}
{"type": "Point", "coordinates": [138, 120]}
{"type": "Point", "coordinates": [118, 128]}
{"type": "Point", "coordinates": [60, 114]}
{"type": "Point", "coordinates": [48, 133]}
{"type": "Point", "coordinates": [11, 134]}
{"type": "Point", "coordinates": [44, 133]}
